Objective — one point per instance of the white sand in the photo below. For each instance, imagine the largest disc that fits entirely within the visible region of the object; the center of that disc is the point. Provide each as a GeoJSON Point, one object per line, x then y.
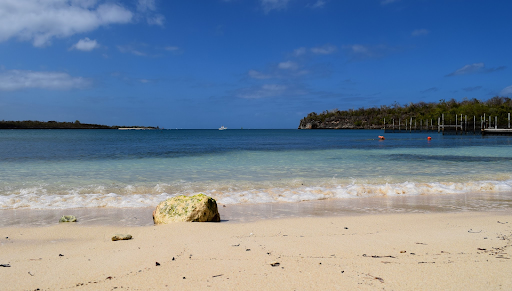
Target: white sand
{"type": "Point", "coordinates": [440, 251]}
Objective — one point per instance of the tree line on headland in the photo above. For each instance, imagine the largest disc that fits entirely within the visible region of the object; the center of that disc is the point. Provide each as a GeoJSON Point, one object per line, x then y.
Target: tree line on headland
{"type": "Point", "coordinates": [373, 118]}
{"type": "Point", "coordinates": [31, 124]}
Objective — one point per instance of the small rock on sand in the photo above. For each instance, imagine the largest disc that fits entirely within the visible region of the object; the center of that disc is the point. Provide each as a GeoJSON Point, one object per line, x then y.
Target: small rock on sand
{"type": "Point", "coordinates": [68, 218]}
{"type": "Point", "coordinates": [121, 237]}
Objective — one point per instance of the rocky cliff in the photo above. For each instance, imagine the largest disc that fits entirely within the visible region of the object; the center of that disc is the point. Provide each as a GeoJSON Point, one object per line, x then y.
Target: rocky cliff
{"type": "Point", "coordinates": [337, 122]}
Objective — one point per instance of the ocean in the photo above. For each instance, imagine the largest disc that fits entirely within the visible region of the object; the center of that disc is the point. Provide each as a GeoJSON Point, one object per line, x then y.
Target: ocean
{"type": "Point", "coordinates": [119, 169]}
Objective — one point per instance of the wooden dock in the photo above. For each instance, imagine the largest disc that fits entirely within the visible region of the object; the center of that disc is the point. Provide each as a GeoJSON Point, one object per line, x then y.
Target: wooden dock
{"type": "Point", "coordinates": [497, 131]}
{"type": "Point", "coordinates": [461, 125]}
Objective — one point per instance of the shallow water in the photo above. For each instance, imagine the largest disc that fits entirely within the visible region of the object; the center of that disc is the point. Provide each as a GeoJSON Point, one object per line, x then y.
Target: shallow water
{"type": "Point", "coordinates": [65, 169]}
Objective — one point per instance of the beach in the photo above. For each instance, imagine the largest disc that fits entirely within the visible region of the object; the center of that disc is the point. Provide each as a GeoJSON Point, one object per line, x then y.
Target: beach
{"type": "Point", "coordinates": [391, 251]}
{"type": "Point", "coordinates": [316, 145]}
{"type": "Point", "coordinates": [300, 210]}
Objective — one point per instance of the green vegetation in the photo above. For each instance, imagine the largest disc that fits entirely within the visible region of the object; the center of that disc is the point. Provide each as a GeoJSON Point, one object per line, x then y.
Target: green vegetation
{"type": "Point", "coordinates": [374, 117]}
{"type": "Point", "coordinates": [30, 124]}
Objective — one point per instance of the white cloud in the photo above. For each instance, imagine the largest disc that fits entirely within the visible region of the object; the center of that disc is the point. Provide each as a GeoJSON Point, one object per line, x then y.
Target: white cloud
{"type": "Point", "coordinates": [430, 90]}
{"type": "Point", "coordinates": [362, 52]}
{"type": "Point", "coordinates": [157, 19]}
{"type": "Point", "coordinates": [324, 50]}
{"type": "Point", "coordinates": [86, 45]}
{"type": "Point", "coordinates": [296, 66]}
{"type": "Point", "coordinates": [476, 68]}
{"type": "Point", "coordinates": [386, 2]}
{"type": "Point", "coordinates": [130, 49]}
{"type": "Point", "coordinates": [257, 75]}
{"type": "Point", "coordinates": [468, 69]}
{"type": "Point", "coordinates": [359, 49]}
{"type": "Point", "coordinates": [318, 4]}
{"type": "Point", "coordinates": [321, 50]}
{"type": "Point", "coordinates": [174, 49]}
{"type": "Point", "coordinates": [84, 3]}
{"type": "Point", "coordinates": [418, 32]}
{"type": "Point", "coordinates": [147, 8]}
{"type": "Point", "coordinates": [507, 91]}
{"type": "Point", "coordinates": [41, 21]}
{"type": "Point", "coordinates": [299, 52]}
{"type": "Point", "coordinates": [289, 65]}
{"type": "Point", "coordinates": [19, 79]}
{"type": "Point", "coordinates": [146, 5]}
{"type": "Point", "coordinates": [267, 90]}
{"type": "Point", "coordinates": [284, 70]}
{"type": "Point", "coordinates": [269, 5]}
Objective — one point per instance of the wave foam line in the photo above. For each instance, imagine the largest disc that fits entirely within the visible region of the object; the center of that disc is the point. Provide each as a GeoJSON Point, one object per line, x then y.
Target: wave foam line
{"type": "Point", "coordinates": [41, 200]}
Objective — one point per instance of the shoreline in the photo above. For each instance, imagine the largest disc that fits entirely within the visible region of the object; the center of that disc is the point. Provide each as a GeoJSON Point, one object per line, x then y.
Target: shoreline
{"type": "Point", "coordinates": [242, 213]}
{"type": "Point", "coordinates": [400, 251]}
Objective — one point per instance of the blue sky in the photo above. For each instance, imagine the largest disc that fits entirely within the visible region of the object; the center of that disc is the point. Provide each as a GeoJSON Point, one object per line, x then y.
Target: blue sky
{"type": "Point", "coordinates": [244, 63]}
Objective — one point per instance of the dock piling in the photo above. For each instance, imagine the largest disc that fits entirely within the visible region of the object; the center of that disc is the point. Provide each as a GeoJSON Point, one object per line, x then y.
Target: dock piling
{"type": "Point", "coordinates": [461, 125]}
{"type": "Point", "coordinates": [443, 123]}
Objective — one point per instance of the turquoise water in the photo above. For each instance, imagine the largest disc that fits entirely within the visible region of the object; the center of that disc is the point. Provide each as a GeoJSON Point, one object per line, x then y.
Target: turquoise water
{"type": "Point", "coordinates": [54, 169]}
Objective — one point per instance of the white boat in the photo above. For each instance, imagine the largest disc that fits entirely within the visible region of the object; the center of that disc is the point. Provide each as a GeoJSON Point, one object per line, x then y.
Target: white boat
{"type": "Point", "coordinates": [223, 128]}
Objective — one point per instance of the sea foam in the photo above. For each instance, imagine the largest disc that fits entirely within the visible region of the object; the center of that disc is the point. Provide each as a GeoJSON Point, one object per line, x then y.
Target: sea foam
{"type": "Point", "coordinates": [134, 197]}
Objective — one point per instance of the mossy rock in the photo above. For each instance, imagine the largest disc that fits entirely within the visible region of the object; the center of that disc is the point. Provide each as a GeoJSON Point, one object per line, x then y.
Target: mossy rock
{"type": "Point", "coordinates": [197, 208]}
{"type": "Point", "coordinates": [68, 218]}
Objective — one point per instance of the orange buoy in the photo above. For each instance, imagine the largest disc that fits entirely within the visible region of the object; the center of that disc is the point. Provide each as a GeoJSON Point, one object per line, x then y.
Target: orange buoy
{"type": "Point", "coordinates": [381, 137]}
{"type": "Point", "coordinates": [429, 138]}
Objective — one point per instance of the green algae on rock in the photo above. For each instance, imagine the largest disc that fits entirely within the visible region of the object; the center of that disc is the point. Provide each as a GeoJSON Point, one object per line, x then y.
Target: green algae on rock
{"type": "Point", "coordinates": [197, 208]}
{"type": "Point", "coordinates": [68, 218]}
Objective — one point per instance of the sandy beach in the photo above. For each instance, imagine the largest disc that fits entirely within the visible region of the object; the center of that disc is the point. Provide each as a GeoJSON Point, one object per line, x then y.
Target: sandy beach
{"type": "Point", "coordinates": [425, 251]}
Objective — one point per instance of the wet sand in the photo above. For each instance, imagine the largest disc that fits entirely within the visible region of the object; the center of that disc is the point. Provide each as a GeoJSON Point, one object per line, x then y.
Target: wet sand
{"type": "Point", "coordinates": [475, 202]}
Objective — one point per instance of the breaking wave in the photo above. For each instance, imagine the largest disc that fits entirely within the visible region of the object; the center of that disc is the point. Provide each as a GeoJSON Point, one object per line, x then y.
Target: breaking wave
{"type": "Point", "coordinates": [134, 197]}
